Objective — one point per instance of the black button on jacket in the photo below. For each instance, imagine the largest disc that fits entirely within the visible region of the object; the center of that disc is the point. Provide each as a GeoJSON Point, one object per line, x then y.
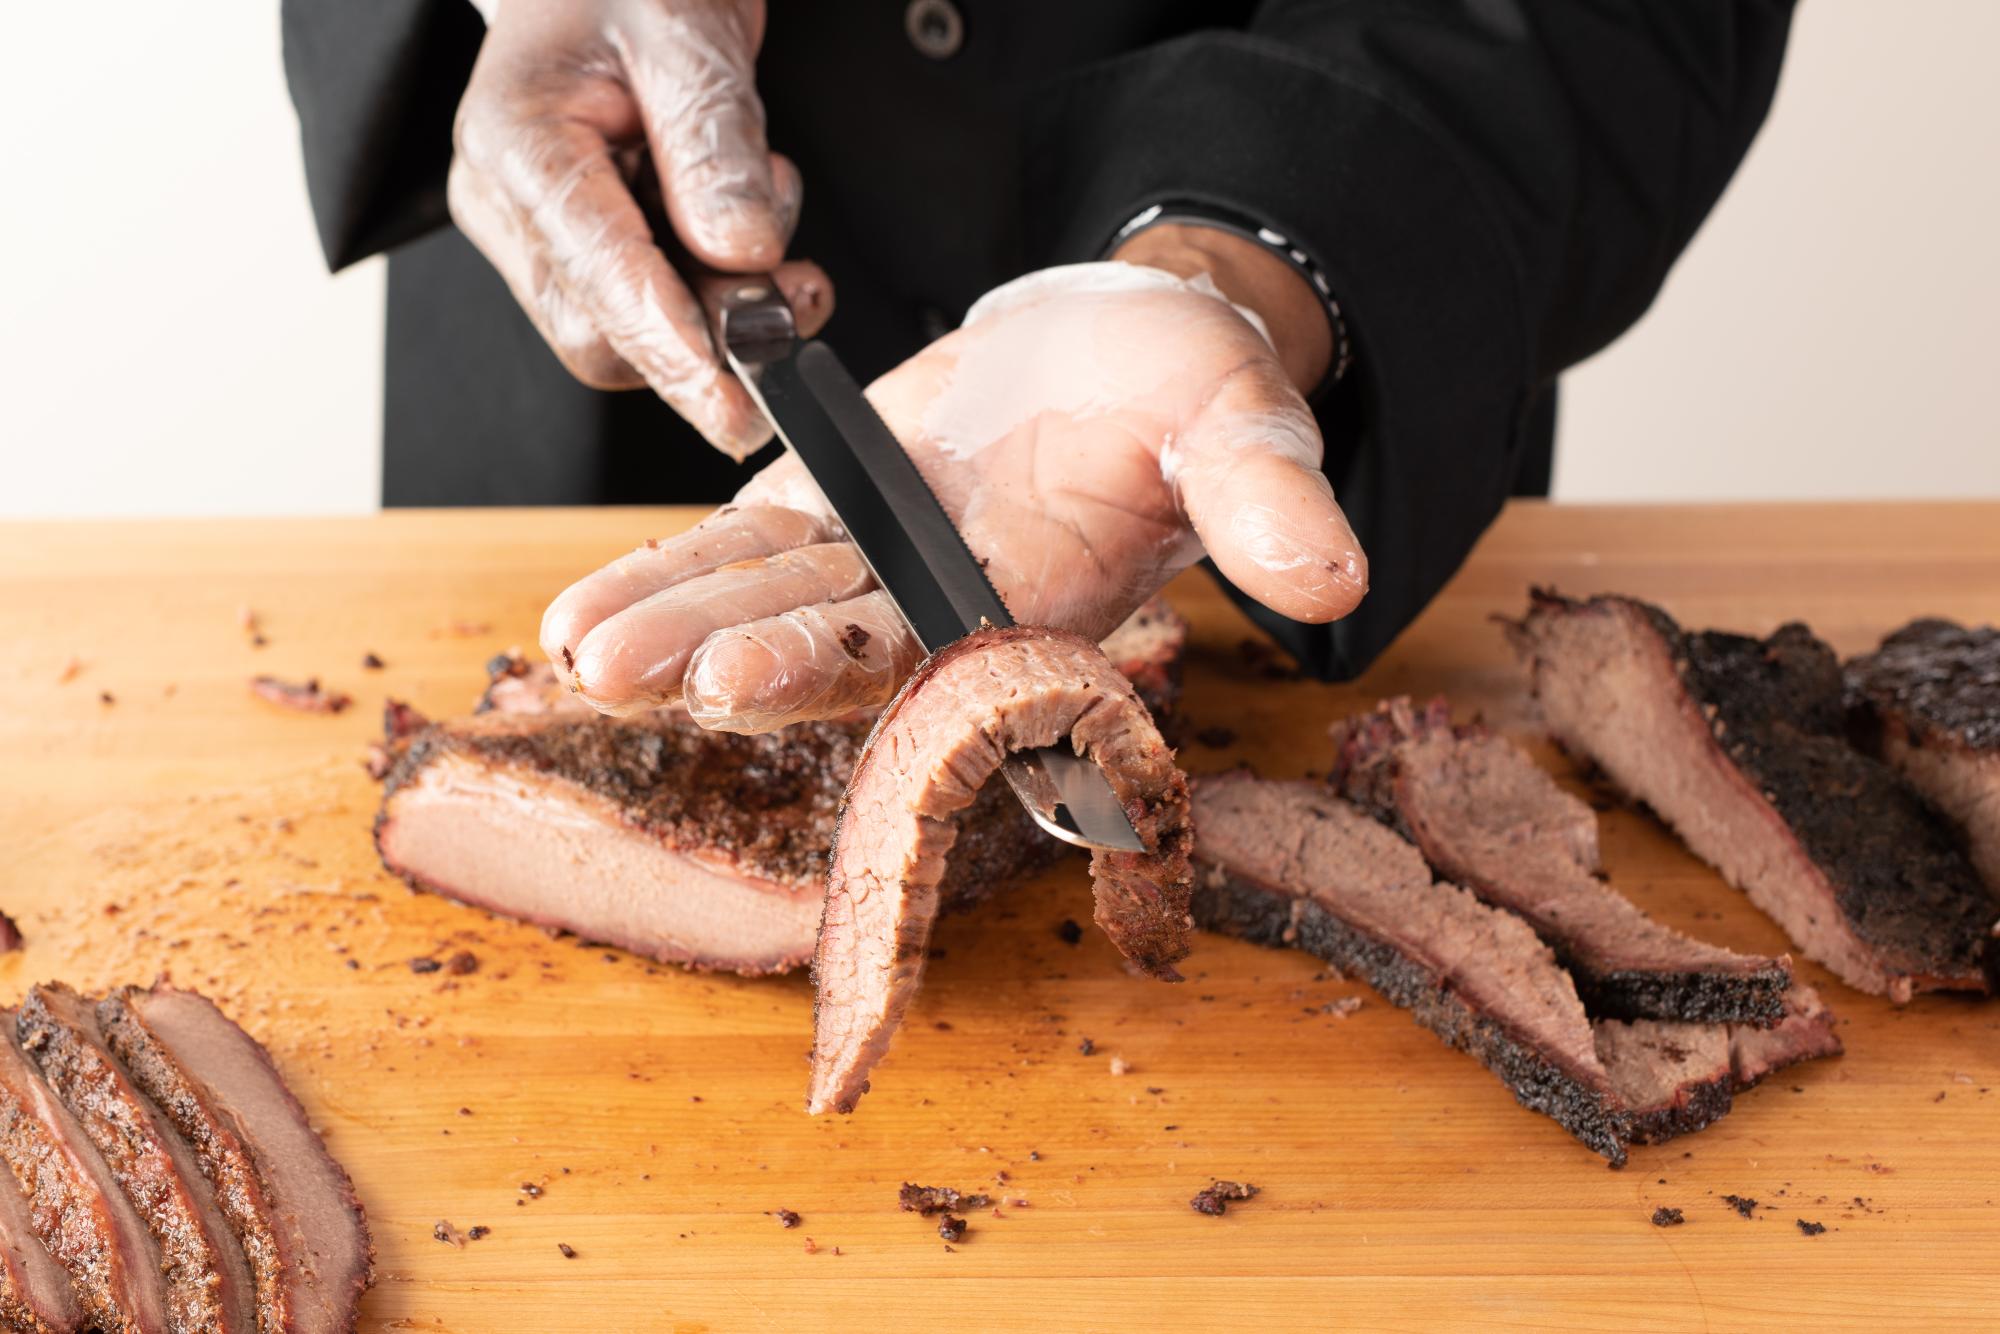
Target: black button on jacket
{"type": "Point", "coordinates": [1496, 189]}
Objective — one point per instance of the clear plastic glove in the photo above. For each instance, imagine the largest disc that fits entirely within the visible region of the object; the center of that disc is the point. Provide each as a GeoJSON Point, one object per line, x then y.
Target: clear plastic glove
{"type": "Point", "coordinates": [570, 102]}
{"type": "Point", "coordinates": [1092, 430]}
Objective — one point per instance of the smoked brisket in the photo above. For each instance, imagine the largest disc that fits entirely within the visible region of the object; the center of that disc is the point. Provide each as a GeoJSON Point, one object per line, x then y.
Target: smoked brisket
{"type": "Point", "coordinates": [1487, 817]}
{"type": "Point", "coordinates": [1292, 864]}
{"type": "Point", "coordinates": [1737, 744]}
{"type": "Point", "coordinates": [289, 1203]}
{"type": "Point", "coordinates": [208, 1288]}
{"type": "Point", "coordinates": [108, 1264]}
{"type": "Point", "coordinates": [1928, 702]}
{"type": "Point", "coordinates": [947, 731]}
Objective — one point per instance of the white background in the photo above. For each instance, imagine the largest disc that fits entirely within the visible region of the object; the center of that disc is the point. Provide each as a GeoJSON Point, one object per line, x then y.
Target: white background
{"type": "Point", "coordinates": [170, 343]}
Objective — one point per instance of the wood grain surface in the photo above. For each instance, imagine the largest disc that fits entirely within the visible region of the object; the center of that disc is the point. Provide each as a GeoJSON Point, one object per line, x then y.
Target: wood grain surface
{"type": "Point", "coordinates": [157, 819]}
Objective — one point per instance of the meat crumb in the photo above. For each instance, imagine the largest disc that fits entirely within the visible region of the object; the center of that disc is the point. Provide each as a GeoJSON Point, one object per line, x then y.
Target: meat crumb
{"type": "Point", "coordinates": [786, 1217]}
{"type": "Point", "coordinates": [1742, 1204]}
{"type": "Point", "coordinates": [461, 963]}
{"type": "Point", "coordinates": [928, 1200]}
{"type": "Point", "coordinates": [371, 662]}
{"type": "Point", "coordinates": [1665, 1217]}
{"type": "Point", "coordinates": [307, 698]}
{"type": "Point", "coordinates": [1069, 931]}
{"type": "Point", "coordinates": [812, 1247]}
{"type": "Point", "coordinates": [476, 1231]}
{"type": "Point", "coordinates": [421, 965]}
{"type": "Point", "coordinates": [1214, 1201]}
{"type": "Point", "coordinates": [1810, 1229]}
{"type": "Point", "coordinates": [445, 1232]}
{"type": "Point", "coordinates": [10, 935]}
{"type": "Point", "coordinates": [952, 1229]}
{"type": "Point", "coordinates": [70, 671]}
{"type": "Point", "coordinates": [568, 1251]}
{"type": "Point", "coordinates": [531, 1190]}
{"type": "Point", "coordinates": [1087, 1047]}
{"type": "Point", "coordinates": [105, 697]}
{"type": "Point", "coordinates": [1342, 1007]}
{"type": "Point", "coordinates": [853, 639]}
{"type": "Point", "coordinates": [1120, 1066]}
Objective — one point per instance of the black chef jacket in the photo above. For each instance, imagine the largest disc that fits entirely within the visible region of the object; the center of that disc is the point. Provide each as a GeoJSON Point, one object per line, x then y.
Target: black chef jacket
{"type": "Point", "coordinates": [1496, 189]}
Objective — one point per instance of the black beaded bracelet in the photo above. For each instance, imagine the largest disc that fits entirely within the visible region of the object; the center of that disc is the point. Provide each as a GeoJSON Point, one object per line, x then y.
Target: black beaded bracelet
{"type": "Point", "coordinates": [1237, 224]}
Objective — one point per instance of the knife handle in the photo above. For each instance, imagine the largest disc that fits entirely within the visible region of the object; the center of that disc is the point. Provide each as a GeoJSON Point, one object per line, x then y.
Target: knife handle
{"type": "Point", "coordinates": [747, 315]}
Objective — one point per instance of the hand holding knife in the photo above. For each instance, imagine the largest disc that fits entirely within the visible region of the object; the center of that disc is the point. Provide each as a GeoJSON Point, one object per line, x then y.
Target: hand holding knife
{"type": "Point", "coordinates": [892, 517]}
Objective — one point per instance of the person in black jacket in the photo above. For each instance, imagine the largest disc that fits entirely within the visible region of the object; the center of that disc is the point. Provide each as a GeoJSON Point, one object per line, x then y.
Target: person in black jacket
{"type": "Point", "coordinates": [1217, 262]}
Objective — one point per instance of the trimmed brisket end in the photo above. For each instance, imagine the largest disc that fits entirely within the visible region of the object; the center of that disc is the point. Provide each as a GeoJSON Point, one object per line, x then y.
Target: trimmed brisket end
{"type": "Point", "coordinates": [207, 1282]}
{"type": "Point", "coordinates": [289, 1202]}
{"type": "Point", "coordinates": [1927, 702]}
{"type": "Point", "coordinates": [1291, 864]}
{"type": "Point", "coordinates": [937, 743]}
{"type": "Point", "coordinates": [1736, 744]}
{"type": "Point", "coordinates": [1487, 817]}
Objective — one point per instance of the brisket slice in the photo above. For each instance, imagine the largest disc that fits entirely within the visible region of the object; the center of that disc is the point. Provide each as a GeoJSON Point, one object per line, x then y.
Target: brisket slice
{"type": "Point", "coordinates": [291, 1205]}
{"type": "Point", "coordinates": [75, 1206]}
{"type": "Point", "coordinates": [35, 1295]}
{"type": "Point", "coordinates": [688, 846]}
{"type": "Point", "coordinates": [966, 708]}
{"type": "Point", "coordinates": [1487, 817]}
{"type": "Point", "coordinates": [1735, 743]}
{"type": "Point", "coordinates": [1293, 864]}
{"type": "Point", "coordinates": [1677, 1078]}
{"type": "Point", "coordinates": [208, 1286]}
{"type": "Point", "coordinates": [1928, 702]}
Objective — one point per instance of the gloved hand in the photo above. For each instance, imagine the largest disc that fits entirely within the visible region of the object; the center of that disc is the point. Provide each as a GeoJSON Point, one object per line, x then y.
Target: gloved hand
{"type": "Point", "coordinates": [567, 99]}
{"type": "Point", "coordinates": [1091, 430]}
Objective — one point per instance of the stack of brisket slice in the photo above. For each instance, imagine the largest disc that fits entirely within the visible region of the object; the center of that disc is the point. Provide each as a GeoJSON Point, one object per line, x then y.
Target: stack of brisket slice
{"type": "Point", "coordinates": [161, 1177]}
{"type": "Point", "coordinates": [700, 848]}
{"type": "Point", "coordinates": [1451, 873]}
{"type": "Point", "coordinates": [1741, 746]}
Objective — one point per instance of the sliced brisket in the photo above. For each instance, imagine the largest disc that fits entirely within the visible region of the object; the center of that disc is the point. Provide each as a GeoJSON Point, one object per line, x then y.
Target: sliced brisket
{"type": "Point", "coordinates": [1736, 743]}
{"type": "Point", "coordinates": [290, 1204]}
{"type": "Point", "coordinates": [1293, 864]}
{"type": "Point", "coordinates": [1928, 702]}
{"type": "Point", "coordinates": [945, 733]}
{"type": "Point", "coordinates": [35, 1294]}
{"type": "Point", "coordinates": [688, 846]}
{"type": "Point", "coordinates": [208, 1286]}
{"type": "Point", "coordinates": [1487, 817]}
{"type": "Point", "coordinates": [75, 1207]}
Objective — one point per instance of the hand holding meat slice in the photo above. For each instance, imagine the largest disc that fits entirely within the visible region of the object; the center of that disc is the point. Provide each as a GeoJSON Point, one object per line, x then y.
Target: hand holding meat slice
{"type": "Point", "coordinates": [1091, 431]}
{"type": "Point", "coordinates": [937, 743]}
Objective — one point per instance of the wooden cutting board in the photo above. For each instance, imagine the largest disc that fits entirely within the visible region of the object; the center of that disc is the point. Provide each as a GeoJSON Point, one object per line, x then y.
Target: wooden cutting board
{"type": "Point", "coordinates": [157, 819]}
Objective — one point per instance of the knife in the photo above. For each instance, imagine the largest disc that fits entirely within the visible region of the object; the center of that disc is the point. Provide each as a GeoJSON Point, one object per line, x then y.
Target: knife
{"type": "Point", "coordinates": [909, 542]}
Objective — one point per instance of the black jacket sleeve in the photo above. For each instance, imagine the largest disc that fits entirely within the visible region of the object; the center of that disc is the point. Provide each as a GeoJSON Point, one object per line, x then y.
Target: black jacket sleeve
{"type": "Point", "coordinates": [376, 83]}
{"type": "Point", "coordinates": [1496, 189]}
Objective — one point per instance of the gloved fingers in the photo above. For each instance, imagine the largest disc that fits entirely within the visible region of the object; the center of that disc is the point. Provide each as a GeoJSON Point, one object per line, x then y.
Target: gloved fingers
{"type": "Point", "coordinates": [819, 661]}
{"type": "Point", "coordinates": [494, 226]}
{"type": "Point", "coordinates": [694, 76]}
{"type": "Point", "coordinates": [1247, 475]}
{"type": "Point", "coordinates": [785, 484]}
{"type": "Point", "coordinates": [729, 536]}
{"type": "Point", "coordinates": [586, 237]}
{"type": "Point", "coordinates": [636, 658]}
{"type": "Point", "coordinates": [808, 291]}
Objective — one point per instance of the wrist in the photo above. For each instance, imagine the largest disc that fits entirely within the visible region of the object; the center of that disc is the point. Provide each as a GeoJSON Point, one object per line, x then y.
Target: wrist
{"type": "Point", "coordinates": [1252, 277]}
